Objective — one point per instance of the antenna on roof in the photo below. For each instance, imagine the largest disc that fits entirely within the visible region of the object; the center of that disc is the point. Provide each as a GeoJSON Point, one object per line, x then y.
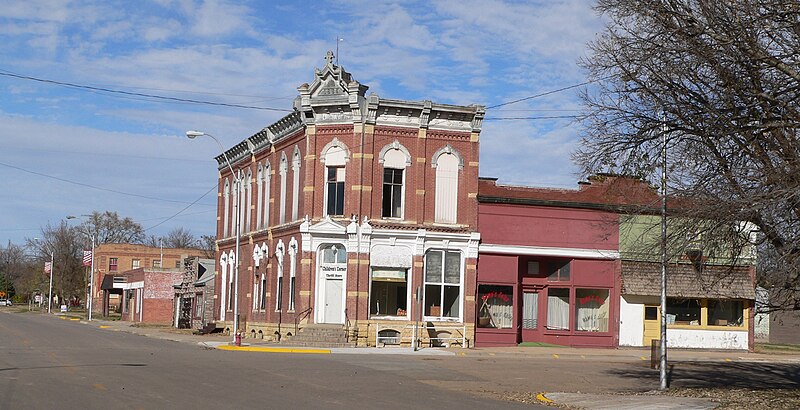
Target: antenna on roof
{"type": "Point", "coordinates": [338, 39]}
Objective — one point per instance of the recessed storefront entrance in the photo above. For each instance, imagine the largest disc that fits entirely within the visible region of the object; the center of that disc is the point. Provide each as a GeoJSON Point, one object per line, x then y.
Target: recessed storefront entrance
{"type": "Point", "coordinates": [331, 277]}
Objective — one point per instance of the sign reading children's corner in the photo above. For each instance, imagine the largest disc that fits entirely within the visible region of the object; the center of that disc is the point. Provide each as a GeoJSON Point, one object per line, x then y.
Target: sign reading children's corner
{"type": "Point", "coordinates": [333, 272]}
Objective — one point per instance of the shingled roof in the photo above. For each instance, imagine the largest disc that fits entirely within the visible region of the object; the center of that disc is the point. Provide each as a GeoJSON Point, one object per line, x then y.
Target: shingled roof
{"type": "Point", "coordinates": [686, 281]}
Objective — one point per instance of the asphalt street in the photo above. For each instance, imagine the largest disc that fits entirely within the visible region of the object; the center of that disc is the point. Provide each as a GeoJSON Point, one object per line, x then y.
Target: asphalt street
{"type": "Point", "coordinates": [47, 363]}
{"type": "Point", "coordinates": [50, 362]}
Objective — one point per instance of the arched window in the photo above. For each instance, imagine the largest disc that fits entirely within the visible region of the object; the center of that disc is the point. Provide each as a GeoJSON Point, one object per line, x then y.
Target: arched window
{"type": "Point", "coordinates": [283, 170]}
{"type": "Point", "coordinates": [395, 158]}
{"type": "Point", "coordinates": [223, 267]}
{"type": "Point", "coordinates": [267, 193]}
{"type": "Point", "coordinates": [447, 163]}
{"type": "Point", "coordinates": [227, 199]}
{"type": "Point", "coordinates": [280, 250]}
{"type": "Point", "coordinates": [248, 202]}
{"type": "Point", "coordinates": [335, 155]}
{"type": "Point", "coordinates": [292, 272]}
{"type": "Point", "coordinates": [295, 183]}
{"type": "Point", "coordinates": [259, 196]}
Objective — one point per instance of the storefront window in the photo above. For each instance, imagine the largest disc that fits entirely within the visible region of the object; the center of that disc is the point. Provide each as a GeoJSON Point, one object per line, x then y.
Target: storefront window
{"type": "Point", "coordinates": [725, 312]}
{"type": "Point", "coordinates": [389, 293]}
{"type": "Point", "coordinates": [683, 312]}
{"type": "Point", "coordinates": [558, 271]}
{"type": "Point", "coordinates": [442, 284]}
{"type": "Point", "coordinates": [558, 309]}
{"type": "Point", "coordinates": [591, 310]}
{"type": "Point", "coordinates": [496, 306]}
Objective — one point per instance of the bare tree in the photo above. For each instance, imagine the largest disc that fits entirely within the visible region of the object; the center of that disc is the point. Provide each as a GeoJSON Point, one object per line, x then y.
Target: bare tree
{"type": "Point", "coordinates": [720, 82]}
{"type": "Point", "coordinates": [65, 243]}
{"type": "Point", "coordinates": [208, 243]}
{"type": "Point", "coordinates": [109, 227]}
{"type": "Point", "coordinates": [177, 238]}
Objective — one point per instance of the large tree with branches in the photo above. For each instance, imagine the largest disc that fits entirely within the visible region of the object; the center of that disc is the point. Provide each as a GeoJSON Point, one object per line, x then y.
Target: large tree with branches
{"type": "Point", "coordinates": [719, 81]}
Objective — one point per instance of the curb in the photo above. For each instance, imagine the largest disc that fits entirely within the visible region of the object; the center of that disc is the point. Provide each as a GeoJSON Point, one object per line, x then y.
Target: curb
{"type": "Point", "coordinates": [272, 349]}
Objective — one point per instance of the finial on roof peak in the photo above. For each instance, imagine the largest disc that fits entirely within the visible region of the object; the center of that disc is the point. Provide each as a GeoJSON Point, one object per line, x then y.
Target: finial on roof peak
{"type": "Point", "coordinates": [329, 57]}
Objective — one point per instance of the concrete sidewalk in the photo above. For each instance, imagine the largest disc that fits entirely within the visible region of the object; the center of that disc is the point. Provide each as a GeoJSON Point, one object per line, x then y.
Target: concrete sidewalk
{"type": "Point", "coordinates": [626, 402]}
{"type": "Point", "coordinates": [561, 353]}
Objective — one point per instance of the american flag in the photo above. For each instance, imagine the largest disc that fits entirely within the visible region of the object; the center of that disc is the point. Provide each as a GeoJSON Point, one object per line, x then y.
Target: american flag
{"type": "Point", "coordinates": [87, 258]}
{"type": "Point", "coordinates": [48, 266]}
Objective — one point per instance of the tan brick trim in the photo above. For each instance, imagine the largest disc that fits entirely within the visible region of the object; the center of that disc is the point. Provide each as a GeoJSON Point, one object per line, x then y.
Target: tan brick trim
{"type": "Point", "coordinates": [472, 195]}
{"type": "Point", "coordinates": [420, 192]}
{"type": "Point", "coordinates": [365, 188]}
{"type": "Point", "coordinates": [363, 155]}
{"type": "Point", "coordinates": [305, 293]}
{"type": "Point", "coordinates": [308, 189]}
{"type": "Point", "coordinates": [305, 261]}
{"type": "Point", "coordinates": [421, 160]}
{"type": "Point", "coordinates": [473, 163]}
{"type": "Point", "coordinates": [357, 294]}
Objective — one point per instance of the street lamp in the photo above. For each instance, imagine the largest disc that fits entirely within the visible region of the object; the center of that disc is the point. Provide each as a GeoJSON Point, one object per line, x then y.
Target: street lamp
{"type": "Point", "coordinates": [237, 183]}
{"type": "Point", "coordinates": [90, 300]}
{"type": "Point", "coordinates": [52, 267]}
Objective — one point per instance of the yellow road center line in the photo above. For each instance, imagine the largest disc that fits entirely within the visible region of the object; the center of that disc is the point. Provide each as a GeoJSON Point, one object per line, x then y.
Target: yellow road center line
{"type": "Point", "coordinates": [728, 360]}
{"type": "Point", "coordinates": [104, 326]}
{"type": "Point", "coordinates": [99, 386]}
{"type": "Point", "coordinates": [74, 319]}
{"type": "Point", "coordinates": [642, 357]}
{"type": "Point", "coordinates": [555, 356]}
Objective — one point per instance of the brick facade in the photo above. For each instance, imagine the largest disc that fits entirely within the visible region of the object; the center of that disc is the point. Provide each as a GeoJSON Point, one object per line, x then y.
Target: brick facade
{"type": "Point", "coordinates": [336, 125]}
{"type": "Point", "coordinates": [125, 255]}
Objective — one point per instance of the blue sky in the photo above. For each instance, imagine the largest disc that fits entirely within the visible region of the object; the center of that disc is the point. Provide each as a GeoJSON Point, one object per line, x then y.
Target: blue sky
{"type": "Point", "coordinates": [130, 154]}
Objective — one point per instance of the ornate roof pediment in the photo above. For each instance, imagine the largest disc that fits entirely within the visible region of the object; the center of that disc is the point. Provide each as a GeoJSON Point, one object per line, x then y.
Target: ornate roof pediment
{"type": "Point", "coordinates": [331, 81]}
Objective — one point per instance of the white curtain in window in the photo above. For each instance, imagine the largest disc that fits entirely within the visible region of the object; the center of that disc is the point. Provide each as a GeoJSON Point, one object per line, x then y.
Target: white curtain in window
{"type": "Point", "coordinates": [259, 196]}
{"type": "Point", "coordinates": [530, 310]}
{"type": "Point", "coordinates": [558, 312]}
{"type": "Point", "coordinates": [283, 171]}
{"type": "Point", "coordinates": [267, 182]}
{"type": "Point", "coordinates": [248, 188]}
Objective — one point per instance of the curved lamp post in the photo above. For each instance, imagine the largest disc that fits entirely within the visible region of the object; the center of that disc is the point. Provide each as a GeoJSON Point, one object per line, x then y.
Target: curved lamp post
{"type": "Point", "coordinates": [237, 183]}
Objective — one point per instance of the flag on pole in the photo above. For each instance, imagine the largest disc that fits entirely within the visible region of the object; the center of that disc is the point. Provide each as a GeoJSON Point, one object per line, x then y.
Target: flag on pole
{"type": "Point", "coordinates": [87, 258]}
{"type": "Point", "coordinates": [48, 266]}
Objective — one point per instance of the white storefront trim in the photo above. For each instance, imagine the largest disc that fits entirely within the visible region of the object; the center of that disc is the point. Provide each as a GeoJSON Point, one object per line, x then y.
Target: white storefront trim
{"type": "Point", "coordinates": [549, 251]}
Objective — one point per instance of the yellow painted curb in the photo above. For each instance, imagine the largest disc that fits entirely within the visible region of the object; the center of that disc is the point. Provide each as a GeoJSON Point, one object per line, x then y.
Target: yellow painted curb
{"type": "Point", "coordinates": [273, 349]}
{"type": "Point", "coordinates": [543, 399]}
{"type": "Point", "coordinates": [62, 318]}
{"type": "Point", "coordinates": [74, 319]}
{"type": "Point", "coordinates": [104, 326]}
{"type": "Point", "coordinates": [555, 356]}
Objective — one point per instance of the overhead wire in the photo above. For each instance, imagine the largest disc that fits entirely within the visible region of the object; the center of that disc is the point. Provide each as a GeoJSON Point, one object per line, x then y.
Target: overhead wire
{"type": "Point", "coordinates": [93, 186]}
{"type": "Point", "coordinates": [184, 208]}
{"type": "Point", "coordinates": [135, 94]}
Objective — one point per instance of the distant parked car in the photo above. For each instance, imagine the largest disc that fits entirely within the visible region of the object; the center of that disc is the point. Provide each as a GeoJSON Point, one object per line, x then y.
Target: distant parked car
{"type": "Point", "coordinates": [5, 302]}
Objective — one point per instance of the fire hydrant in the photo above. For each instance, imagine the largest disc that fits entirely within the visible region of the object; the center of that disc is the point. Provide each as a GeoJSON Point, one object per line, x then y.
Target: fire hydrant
{"type": "Point", "coordinates": [238, 338]}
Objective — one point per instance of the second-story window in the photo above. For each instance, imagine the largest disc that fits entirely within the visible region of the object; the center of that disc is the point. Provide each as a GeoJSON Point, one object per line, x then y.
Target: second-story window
{"type": "Point", "coordinates": [112, 264]}
{"type": "Point", "coordinates": [334, 190]}
{"type": "Point", "coordinates": [136, 263]}
{"type": "Point", "coordinates": [392, 193]}
{"type": "Point", "coordinates": [447, 166]}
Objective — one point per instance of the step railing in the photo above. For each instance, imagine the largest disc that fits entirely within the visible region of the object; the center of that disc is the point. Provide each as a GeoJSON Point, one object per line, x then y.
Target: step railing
{"type": "Point", "coordinates": [299, 317]}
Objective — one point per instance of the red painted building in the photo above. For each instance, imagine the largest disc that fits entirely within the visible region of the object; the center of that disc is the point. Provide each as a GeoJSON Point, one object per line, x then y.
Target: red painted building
{"type": "Point", "coordinates": [549, 264]}
{"type": "Point", "coordinates": [350, 205]}
{"type": "Point", "coordinates": [148, 294]}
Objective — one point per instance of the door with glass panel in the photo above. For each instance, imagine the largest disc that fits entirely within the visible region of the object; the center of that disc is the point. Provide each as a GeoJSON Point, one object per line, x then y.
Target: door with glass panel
{"type": "Point", "coordinates": [530, 316]}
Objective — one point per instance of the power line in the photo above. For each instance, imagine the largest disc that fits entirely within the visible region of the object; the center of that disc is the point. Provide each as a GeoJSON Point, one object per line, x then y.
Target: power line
{"type": "Point", "coordinates": [184, 208]}
{"type": "Point", "coordinates": [548, 93]}
{"type": "Point", "coordinates": [93, 186]}
{"type": "Point", "coordinates": [546, 117]}
{"type": "Point", "coordinates": [129, 93]}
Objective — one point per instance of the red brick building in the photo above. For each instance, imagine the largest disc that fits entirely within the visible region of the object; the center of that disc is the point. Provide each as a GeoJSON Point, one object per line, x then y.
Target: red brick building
{"type": "Point", "coordinates": [349, 205]}
{"type": "Point", "coordinates": [148, 294]}
{"type": "Point", "coordinates": [114, 258]}
{"type": "Point", "coordinates": [549, 265]}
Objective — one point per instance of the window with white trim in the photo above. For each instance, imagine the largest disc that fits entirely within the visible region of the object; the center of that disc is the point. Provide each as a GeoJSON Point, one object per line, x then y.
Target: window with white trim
{"type": "Point", "coordinates": [395, 159]}
{"type": "Point", "coordinates": [248, 194]}
{"type": "Point", "coordinates": [295, 183]}
{"type": "Point", "coordinates": [292, 271]}
{"type": "Point", "coordinates": [259, 196]}
{"type": "Point", "coordinates": [335, 158]}
{"type": "Point", "coordinates": [388, 292]}
{"type": "Point", "coordinates": [227, 199]}
{"type": "Point", "coordinates": [279, 254]}
{"type": "Point", "coordinates": [447, 165]}
{"type": "Point", "coordinates": [267, 193]}
{"type": "Point", "coordinates": [282, 206]}
{"type": "Point", "coordinates": [442, 297]}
